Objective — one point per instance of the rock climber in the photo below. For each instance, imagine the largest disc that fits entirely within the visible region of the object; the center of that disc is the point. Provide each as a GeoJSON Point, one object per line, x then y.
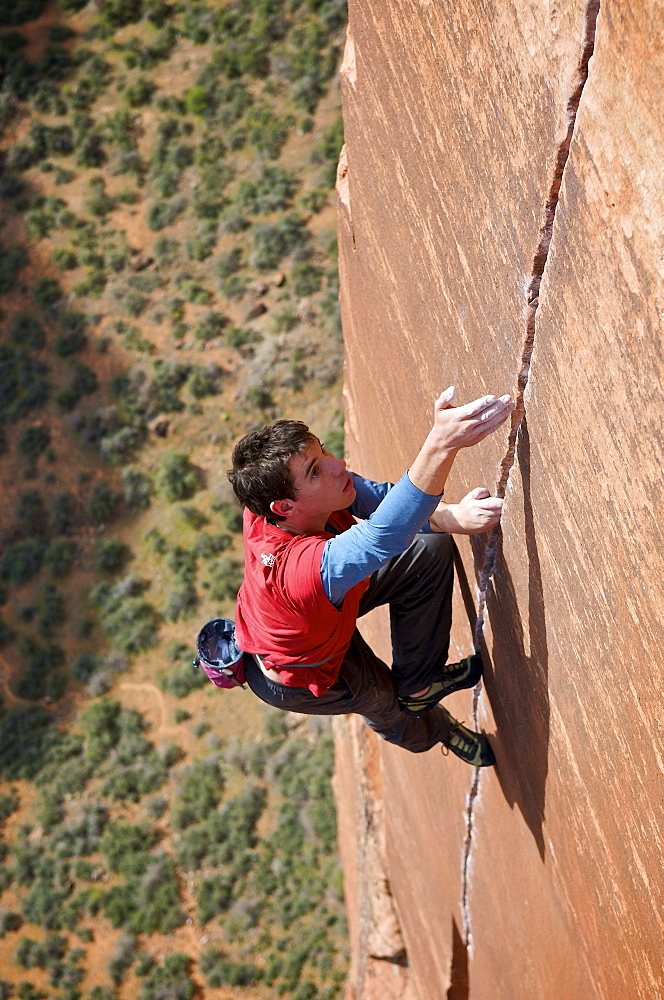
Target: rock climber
{"type": "Point", "coordinates": [311, 570]}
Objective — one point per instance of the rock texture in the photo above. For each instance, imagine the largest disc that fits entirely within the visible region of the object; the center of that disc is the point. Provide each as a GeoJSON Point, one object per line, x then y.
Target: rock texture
{"type": "Point", "coordinates": [501, 228]}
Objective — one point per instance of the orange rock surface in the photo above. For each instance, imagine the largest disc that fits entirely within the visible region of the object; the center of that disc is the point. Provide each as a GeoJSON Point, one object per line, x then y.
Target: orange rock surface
{"type": "Point", "coordinates": [501, 223]}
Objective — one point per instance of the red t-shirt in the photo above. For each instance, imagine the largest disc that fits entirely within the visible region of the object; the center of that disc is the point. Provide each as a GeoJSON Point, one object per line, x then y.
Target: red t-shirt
{"type": "Point", "coordinates": [283, 612]}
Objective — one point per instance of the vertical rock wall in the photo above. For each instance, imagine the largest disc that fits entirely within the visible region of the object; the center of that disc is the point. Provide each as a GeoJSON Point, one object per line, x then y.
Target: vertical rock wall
{"type": "Point", "coordinates": [501, 228]}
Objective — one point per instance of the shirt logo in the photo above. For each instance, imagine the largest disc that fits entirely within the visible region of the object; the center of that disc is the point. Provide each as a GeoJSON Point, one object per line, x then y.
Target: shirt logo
{"type": "Point", "coordinates": [267, 559]}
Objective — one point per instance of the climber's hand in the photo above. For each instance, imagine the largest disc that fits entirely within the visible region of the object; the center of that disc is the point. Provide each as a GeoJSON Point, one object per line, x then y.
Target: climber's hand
{"type": "Point", "coordinates": [456, 427]}
{"type": "Point", "coordinates": [476, 513]}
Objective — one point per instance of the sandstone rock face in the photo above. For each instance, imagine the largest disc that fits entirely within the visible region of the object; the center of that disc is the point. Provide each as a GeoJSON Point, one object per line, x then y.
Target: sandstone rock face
{"type": "Point", "coordinates": [501, 228]}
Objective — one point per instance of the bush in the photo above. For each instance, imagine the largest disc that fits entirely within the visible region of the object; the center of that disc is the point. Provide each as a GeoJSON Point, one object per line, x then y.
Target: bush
{"type": "Point", "coordinates": [47, 294]}
{"type": "Point", "coordinates": [198, 794]}
{"type": "Point", "coordinates": [307, 279]}
{"type": "Point", "coordinates": [52, 609]}
{"type": "Point", "coordinates": [170, 980]}
{"type": "Point", "coordinates": [64, 260]}
{"type": "Point", "coordinates": [273, 242]}
{"type": "Point", "coordinates": [25, 330]}
{"type": "Point", "coordinates": [9, 803]}
{"type": "Point", "coordinates": [7, 634]}
{"type": "Point", "coordinates": [34, 441]}
{"type": "Point", "coordinates": [221, 971]}
{"type": "Point", "coordinates": [211, 326]}
{"type": "Point", "coordinates": [84, 666]}
{"type": "Point", "coordinates": [181, 603]}
{"type": "Point", "coordinates": [271, 192]}
{"type": "Point", "coordinates": [266, 130]}
{"type": "Point", "coordinates": [205, 381]}
{"type": "Point", "coordinates": [101, 505]}
{"type": "Point", "coordinates": [12, 261]}
{"type": "Point", "coordinates": [130, 621]}
{"type": "Point", "coordinates": [62, 513]}
{"type": "Point", "coordinates": [137, 489]}
{"type": "Point", "coordinates": [228, 263]}
{"type": "Point", "coordinates": [38, 679]}
{"type": "Point", "coordinates": [327, 151]}
{"type": "Point", "coordinates": [181, 679]}
{"type": "Point", "coordinates": [59, 557]}
{"type": "Point", "coordinates": [163, 213]}
{"type": "Point", "coordinates": [177, 478]}
{"type": "Point", "coordinates": [111, 555]}
{"type": "Point", "coordinates": [139, 92]}
{"type": "Point", "coordinates": [31, 513]}
{"type": "Point", "coordinates": [21, 561]}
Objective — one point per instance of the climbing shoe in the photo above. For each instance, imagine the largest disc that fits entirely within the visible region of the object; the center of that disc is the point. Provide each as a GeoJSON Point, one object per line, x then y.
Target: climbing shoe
{"type": "Point", "coordinates": [453, 677]}
{"type": "Point", "coordinates": [472, 747]}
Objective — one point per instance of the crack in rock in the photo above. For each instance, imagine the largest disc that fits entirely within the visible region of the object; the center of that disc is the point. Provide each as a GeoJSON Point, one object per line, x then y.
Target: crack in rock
{"type": "Point", "coordinates": [532, 299]}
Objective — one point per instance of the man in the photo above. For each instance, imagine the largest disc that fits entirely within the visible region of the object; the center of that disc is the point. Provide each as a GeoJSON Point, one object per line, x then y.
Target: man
{"type": "Point", "coordinates": [311, 570]}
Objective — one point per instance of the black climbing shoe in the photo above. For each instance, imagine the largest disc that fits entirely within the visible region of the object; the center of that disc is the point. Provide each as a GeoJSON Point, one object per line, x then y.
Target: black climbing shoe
{"type": "Point", "coordinates": [472, 747]}
{"type": "Point", "coordinates": [453, 677]}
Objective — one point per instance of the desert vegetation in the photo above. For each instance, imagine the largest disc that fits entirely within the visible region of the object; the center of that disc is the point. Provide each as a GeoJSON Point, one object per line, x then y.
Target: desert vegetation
{"type": "Point", "coordinates": [168, 281]}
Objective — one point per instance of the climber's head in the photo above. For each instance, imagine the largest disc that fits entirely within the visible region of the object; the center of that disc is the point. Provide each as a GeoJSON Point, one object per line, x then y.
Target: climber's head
{"type": "Point", "coordinates": [261, 471]}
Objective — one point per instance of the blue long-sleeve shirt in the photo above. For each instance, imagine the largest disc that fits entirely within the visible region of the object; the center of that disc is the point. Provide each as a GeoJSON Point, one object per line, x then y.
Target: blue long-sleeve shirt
{"type": "Point", "coordinates": [393, 515]}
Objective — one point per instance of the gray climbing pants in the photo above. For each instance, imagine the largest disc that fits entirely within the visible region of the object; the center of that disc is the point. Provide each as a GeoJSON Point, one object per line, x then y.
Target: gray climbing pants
{"type": "Point", "coordinates": [417, 586]}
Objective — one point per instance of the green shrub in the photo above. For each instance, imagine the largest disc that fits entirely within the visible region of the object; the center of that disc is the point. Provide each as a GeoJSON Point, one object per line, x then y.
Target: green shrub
{"type": "Point", "coordinates": [182, 603]}
{"type": "Point", "coordinates": [205, 381]}
{"type": "Point", "coordinates": [222, 971]}
{"type": "Point", "coordinates": [140, 92]}
{"type": "Point", "coordinates": [327, 151]}
{"type": "Point", "coordinates": [21, 561]}
{"type": "Point", "coordinates": [272, 191]}
{"type": "Point", "coordinates": [273, 242]}
{"type": "Point", "coordinates": [181, 679]}
{"type": "Point", "coordinates": [102, 503]}
{"type": "Point", "coordinates": [233, 221]}
{"type": "Point", "coordinates": [129, 620]}
{"type": "Point", "coordinates": [26, 331]}
{"type": "Point", "coordinates": [242, 338]}
{"type": "Point", "coordinates": [137, 488]}
{"type": "Point", "coordinates": [24, 387]}
{"type": "Point", "coordinates": [48, 294]}
{"type": "Point", "coordinates": [176, 477]}
{"type": "Point", "coordinates": [213, 896]}
{"type": "Point", "coordinates": [225, 578]}
{"type": "Point", "coordinates": [26, 741]}
{"type": "Point", "coordinates": [163, 213]}
{"type": "Point", "coordinates": [307, 278]}
{"type": "Point", "coordinates": [83, 382]}
{"type": "Point", "coordinates": [7, 634]}
{"type": "Point", "coordinates": [198, 793]}
{"type": "Point", "coordinates": [211, 326]}
{"type": "Point", "coordinates": [170, 980]}
{"type": "Point", "coordinates": [228, 263]}
{"type": "Point", "coordinates": [40, 663]}
{"type": "Point", "coordinates": [62, 513]}
{"type": "Point", "coordinates": [52, 609]}
{"type": "Point", "coordinates": [127, 847]}
{"type": "Point", "coordinates": [196, 101]}
{"type": "Point", "coordinates": [84, 666]}
{"type": "Point", "coordinates": [59, 557]}
{"type": "Point", "coordinates": [110, 555]}
{"type": "Point", "coordinates": [34, 441]}
{"type": "Point", "coordinates": [12, 261]}
{"type": "Point", "coordinates": [64, 259]}
{"type": "Point", "coordinates": [9, 803]}
{"type": "Point", "coordinates": [267, 131]}
{"type": "Point", "coordinates": [31, 513]}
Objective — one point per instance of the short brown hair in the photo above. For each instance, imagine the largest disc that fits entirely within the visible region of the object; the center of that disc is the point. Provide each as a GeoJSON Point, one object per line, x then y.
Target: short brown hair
{"type": "Point", "coordinates": [260, 472]}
